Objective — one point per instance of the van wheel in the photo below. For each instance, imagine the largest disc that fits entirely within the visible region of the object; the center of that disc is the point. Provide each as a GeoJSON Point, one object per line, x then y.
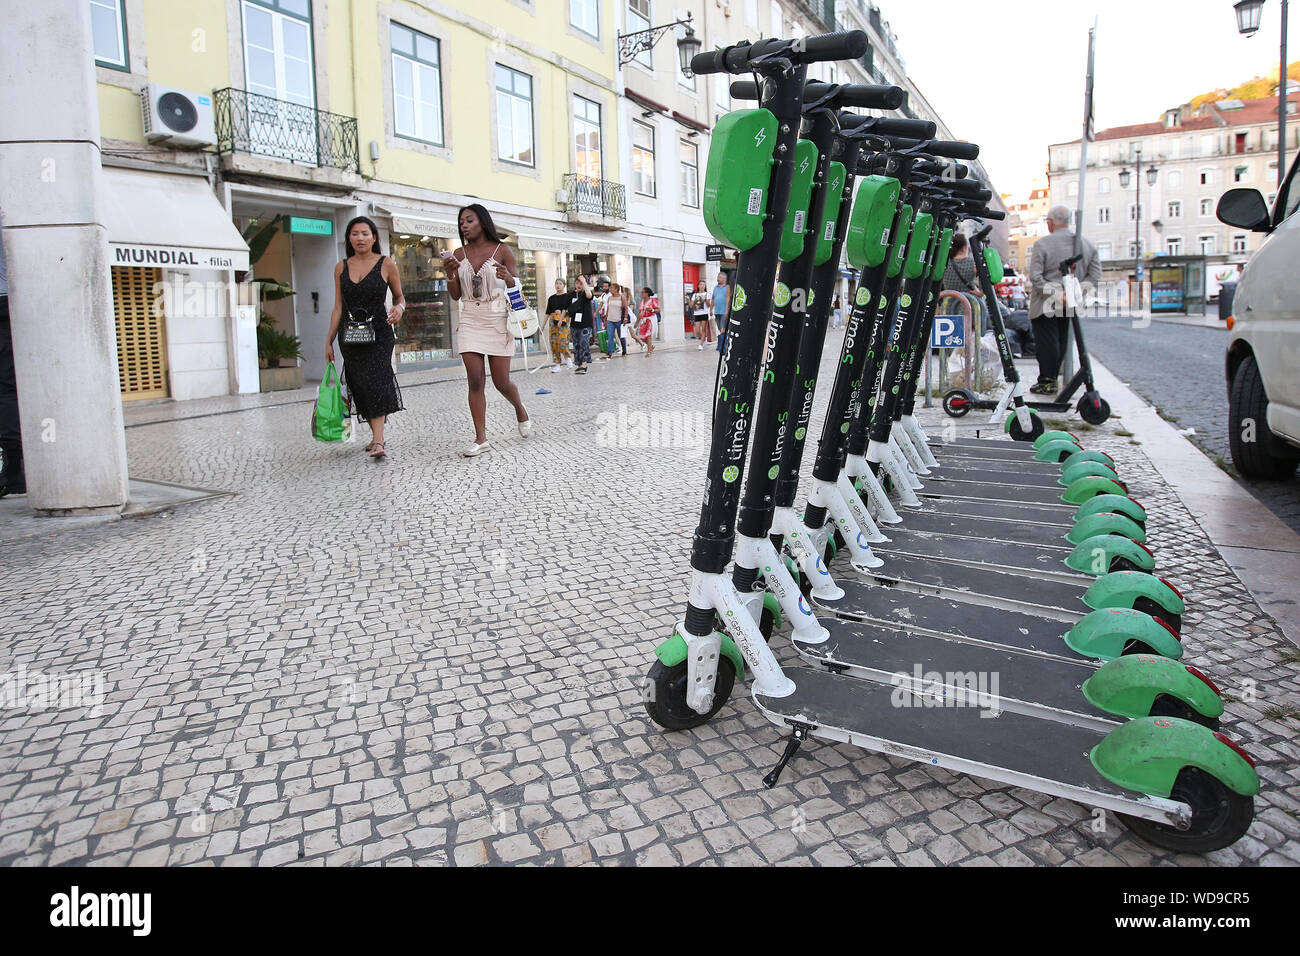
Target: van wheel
{"type": "Point", "coordinates": [1256, 451]}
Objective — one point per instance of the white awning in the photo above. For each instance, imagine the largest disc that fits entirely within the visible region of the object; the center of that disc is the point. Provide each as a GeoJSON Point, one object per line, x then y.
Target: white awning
{"type": "Point", "coordinates": [155, 219]}
{"type": "Point", "coordinates": [616, 248]}
{"type": "Point", "coordinates": [545, 240]}
{"type": "Point", "coordinates": [407, 221]}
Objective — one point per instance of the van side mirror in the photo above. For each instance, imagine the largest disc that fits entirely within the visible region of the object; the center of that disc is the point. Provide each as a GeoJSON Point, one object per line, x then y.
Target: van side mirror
{"type": "Point", "coordinates": [1245, 209]}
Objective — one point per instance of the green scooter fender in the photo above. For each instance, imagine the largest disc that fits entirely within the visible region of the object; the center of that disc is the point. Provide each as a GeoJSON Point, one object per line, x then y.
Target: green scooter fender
{"type": "Point", "coordinates": [1097, 456]}
{"type": "Point", "coordinates": [673, 652]}
{"type": "Point", "coordinates": [1072, 473]}
{"type": "Point", "coordinates": [1046, 437]}
{"type": "Point", "coordinates": [1122, 588]}
{"type": "Point", "coordinates": [1090, 486]}
{"type": "Point", "coordinates": [1106, 522]}
{"type": "Point", "coordinates": [1129, 686]}
{"type": "Point", "coordinates": [1096, 554]}
{"type": "Point", "coordinates": [1147, 754]}
{"type": "Point", "coordinates": [1056, 450]}
{"type": "Point", "coordinates": [1102, 635]}
{"type": "Point", "coordinates": [1118, 504]}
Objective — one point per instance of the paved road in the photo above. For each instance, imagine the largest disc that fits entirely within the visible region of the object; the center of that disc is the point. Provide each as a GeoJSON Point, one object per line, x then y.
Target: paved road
{"type": "Point", "coordinates": [1179, 370]}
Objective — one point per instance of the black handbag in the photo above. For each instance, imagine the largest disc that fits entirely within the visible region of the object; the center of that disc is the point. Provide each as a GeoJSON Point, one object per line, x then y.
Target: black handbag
{"type": "Point", "coordinates": [359, 328]}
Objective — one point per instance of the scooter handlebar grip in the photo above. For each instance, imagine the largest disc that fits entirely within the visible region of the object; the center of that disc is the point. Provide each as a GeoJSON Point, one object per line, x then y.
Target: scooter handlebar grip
{"type": "Point", "coordinates": [744, 90]}
{"type": "Point", "coordinates": [874, 98]}
{"type": "Point", "coordinates": [953, 150]}
{"type": "Point", "coordinates": [716, 61]}
{"type": "Point", "coordinates": [969, 189]}
{"type": "Point", "coordinates": [949, 171]}
{"type": "Point", "coordinates": [911, 128]}
{"type": "Point", "coordinates": [997, 214]}
{"type": "Point", "coordinates": [843, 45]}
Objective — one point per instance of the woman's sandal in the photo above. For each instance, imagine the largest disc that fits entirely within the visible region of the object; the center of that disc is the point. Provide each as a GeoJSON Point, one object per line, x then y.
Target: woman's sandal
{"type": "Point", "coordinates": [377, 450]}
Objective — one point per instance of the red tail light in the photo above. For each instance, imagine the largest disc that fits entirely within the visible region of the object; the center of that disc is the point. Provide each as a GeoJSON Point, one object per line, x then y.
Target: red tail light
{"type": "Point", "coordinates": [1199, 676]}
{"type": "Point", "coordinates": [1136, 502]}
{"type": "Point", "coordinates": [1145, 548]}
{"type": "Point", "coordinates": [1244, 756]}
{"type": "Point", "coordinates": [1177, 637]}
{"type": "Point", "coordinates": [1172, 588]}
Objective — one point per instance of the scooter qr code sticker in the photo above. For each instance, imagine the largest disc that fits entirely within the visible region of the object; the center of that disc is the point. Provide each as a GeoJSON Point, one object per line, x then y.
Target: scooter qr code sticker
{"type": "Point", "coordinates": [799, 217]}
{"type": "Point", "coordinates": [884, 238]}
{"type": "Point", "coordinates": [830, 231]}
{"type": "Point", "coordinates": [755, 202]}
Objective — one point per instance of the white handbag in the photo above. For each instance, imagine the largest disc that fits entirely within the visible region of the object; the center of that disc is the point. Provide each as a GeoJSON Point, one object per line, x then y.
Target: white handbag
{"type": "Point", "coordinates": [523, 323]}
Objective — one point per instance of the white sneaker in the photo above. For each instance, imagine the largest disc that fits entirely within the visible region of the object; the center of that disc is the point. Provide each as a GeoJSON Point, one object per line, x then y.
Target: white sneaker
{"type": "Point", "coordinates": [700, 347]}
{"type": "Point", "coordinates": [475, 449]}
{"type": "Point", "coordinates": [526, 428]}
{"type": "Point", "coordinates": [555, 369]}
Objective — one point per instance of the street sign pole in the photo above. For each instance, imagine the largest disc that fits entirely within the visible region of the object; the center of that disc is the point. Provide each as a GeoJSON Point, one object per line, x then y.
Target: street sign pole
{"type": "Point", "coordinates": [1067, 370]}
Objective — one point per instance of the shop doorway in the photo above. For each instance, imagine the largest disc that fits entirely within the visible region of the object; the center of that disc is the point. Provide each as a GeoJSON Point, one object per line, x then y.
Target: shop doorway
{"type": "Point", "coordinates": [141, 338]}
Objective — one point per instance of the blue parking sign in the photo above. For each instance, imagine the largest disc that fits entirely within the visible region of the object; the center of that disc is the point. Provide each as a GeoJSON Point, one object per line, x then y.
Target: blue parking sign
{"type": "Point", "coordinates": [949, 332]}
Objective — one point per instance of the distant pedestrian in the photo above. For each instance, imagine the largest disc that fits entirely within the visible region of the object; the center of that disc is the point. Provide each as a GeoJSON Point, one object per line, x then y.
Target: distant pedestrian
{"type": "Point", "coordinates": [700, 311]}
{"type": "Point", "coordinates": [648, 313]}
{"type": "Point", "coordinates": [959, 276]}
{"type": "Point", "coordinates": [1047, 298]}
{"type": "Point", "coordinates": [721, 298]}
{"type": "Point", "coordinates": [837, 314]}
{"type": "Point", "coordinates": [478, 273]}
{"type": "Point", "coordinates": [367, 366]}
{"type": "Point", "coordinates": [581, 319]}
{"type": "Point", "coordinates": [615, 313]}
{"type": "Point", "coordinates": [557, 312]}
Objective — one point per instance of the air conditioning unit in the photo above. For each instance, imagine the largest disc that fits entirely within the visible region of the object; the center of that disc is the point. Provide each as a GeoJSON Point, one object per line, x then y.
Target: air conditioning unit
{"type": "Point", "coordinates": [177, 117]}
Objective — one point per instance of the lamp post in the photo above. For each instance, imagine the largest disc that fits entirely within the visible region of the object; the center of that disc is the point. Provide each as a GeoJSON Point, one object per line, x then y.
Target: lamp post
{"type": "Point", "coordinates": [1125, 177]}
{"type": "Point", "coordinates": [630, 45]}
{"type": "Point", "coordinates": [1249, 13]}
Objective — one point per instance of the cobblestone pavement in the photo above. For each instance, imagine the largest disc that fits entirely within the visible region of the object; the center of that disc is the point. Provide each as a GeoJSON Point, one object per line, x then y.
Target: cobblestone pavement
{"type": "Point", "coordinates": [1179, 370]}
{"type": "Point", "coordinates": [437, 661]}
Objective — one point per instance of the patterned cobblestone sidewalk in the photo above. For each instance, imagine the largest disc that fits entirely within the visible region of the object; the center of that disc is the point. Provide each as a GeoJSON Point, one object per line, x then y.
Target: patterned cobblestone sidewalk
{"type": "Point", "coordinates": [438, 661]}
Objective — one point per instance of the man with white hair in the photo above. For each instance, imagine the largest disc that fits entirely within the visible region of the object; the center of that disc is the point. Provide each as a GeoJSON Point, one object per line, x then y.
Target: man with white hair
{"type": "Point", "coordinates": [1047, 299]}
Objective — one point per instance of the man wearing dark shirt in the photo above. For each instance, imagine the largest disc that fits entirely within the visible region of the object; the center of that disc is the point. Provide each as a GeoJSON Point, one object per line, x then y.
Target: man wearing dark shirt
{"type": "Point", "coordinates": [580, 308]}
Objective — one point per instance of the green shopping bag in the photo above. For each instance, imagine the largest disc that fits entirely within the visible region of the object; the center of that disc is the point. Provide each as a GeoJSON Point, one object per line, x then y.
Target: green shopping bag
{"type": "Point", "coordinates": [327, 418]}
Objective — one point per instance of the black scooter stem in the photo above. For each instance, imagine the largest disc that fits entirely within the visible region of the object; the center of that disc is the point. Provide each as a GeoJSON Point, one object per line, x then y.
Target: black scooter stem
{"type": "Point", "coordinates": [714, 540]}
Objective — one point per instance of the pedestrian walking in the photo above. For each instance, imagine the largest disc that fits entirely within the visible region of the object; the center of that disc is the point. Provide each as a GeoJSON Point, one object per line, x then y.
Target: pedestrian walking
{"type": "Point", "coordinates": [700, 310]}
{"type": "Point", "coordinates": [1047, 308]}
{"type": "Point", "coordinates": [557, 312]}
{"type": "Point", "coordinates": [581, 317]}
{"type": "Point", "coordinates": [478, 273]}
{"type": "Point", "coordinates": [721, 298]}
{"type": "Point", "coordinates": [837, 314]}
{"type": "Point", "coordinates": [368, 339]}
{"type": "Point", "coordinates": [615, 313]}
{"type": "Point", "coordinates": [647, 315]}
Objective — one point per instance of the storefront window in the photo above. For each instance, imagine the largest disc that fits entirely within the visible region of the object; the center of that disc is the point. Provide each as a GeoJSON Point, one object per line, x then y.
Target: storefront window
{"type": "Point", "coordinates": [424, 334]}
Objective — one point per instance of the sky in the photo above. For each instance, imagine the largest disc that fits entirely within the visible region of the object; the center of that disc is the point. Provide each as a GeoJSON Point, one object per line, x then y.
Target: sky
{"type": "Point", "coordinates": [1009, 74]}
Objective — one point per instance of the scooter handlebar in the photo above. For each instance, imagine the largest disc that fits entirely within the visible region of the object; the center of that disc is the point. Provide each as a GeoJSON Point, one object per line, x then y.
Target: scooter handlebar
{"type": "Point", "coordinates": [953, 150]}
{"type": "Point", "coordinates": [910, 128]}
{"type": "Point", "coordinates": [852, 94]}
{"type": "Point", "coordinates": [951, 171]}
{"type": "Point", "coordinates": [844, 45]}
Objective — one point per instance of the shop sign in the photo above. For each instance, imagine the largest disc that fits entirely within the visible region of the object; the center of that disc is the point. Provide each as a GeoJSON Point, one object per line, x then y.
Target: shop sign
{"type": "Point", "coordinates": [311, 227]}
{"type": "Point", "coordinates": [176, 257]}
{"type": "Point", "coordinates": [713, 253]}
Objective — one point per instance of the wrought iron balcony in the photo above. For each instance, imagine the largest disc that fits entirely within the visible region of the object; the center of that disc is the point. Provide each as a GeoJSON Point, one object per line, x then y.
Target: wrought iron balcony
{"type": "Point", "coordinates": [823, 10]}
{"type": "Point", "coordinates": [595, 201]}
{"type": "Point", "coordinates": [265, 126]}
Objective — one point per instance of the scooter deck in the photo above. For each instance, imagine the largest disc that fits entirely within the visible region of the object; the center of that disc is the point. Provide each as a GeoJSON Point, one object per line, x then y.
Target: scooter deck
{"type": "Point", "coordinates": [1006, 589]}
{"type": "Point", "coordinates": [1013, 476]}
{"type": "Point", "coordinates": [949, 617]}
{"type": "Point", "coordinates": [993, 456]}
{"type": "Point", "coordinates": [1058, 515]}
{"type": "Point", "coordinates": [1013, 556]}
{"type": "Point", "coordinates": [1040, 685]}
{"type": "Point", "coordinates": [1043, 755]}
{"type": "Point", "coordinates": [1021, 449]}
{"type": "Point", "coordinates": [974, 526]}
{"type": "Point", "coordinates": [936, 486]}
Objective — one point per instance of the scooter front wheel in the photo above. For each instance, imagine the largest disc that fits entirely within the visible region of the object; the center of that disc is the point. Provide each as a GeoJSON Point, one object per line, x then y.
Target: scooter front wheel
{"type": "Point", "coordinates": [1220, 816]}
{"type": "Point", "coordinates": [1035, 429]}
{"type": "Point", "coordinates": [958, 402]}
{"type": "Point", "coordinates": [665, 695]}
{"type": "Point", "coordinates": [1093, 409]}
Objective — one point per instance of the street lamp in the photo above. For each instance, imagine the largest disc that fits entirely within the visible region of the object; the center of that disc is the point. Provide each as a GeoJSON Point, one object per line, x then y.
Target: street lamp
{"type": "Point", "coordinates": [1249, 13]}
{"type": "Point", "coordinates": [1125, 177]}
{"type": "Point", "coordinates": [631, 45]}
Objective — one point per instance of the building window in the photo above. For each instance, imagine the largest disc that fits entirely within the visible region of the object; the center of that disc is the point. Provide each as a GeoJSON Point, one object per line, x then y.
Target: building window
{"type": "Point", "coordinates": [1103, 157]}
{"type": "Point", "coordinates": [1174, 180]}
{"type": "Point", "coordinates": [586, 137]}
{"type": "Point", "coordinates": [751, 14]}
{"type": "Point", "coordinates": [108, 32]}
{"type": "Point", "coordinates": [638, 18]}
{"type": "Point", "coordinates": [1134, 212]}
{"type": "Point", "coordinates": [1103, 250]}
{"type": "Point", "coordinates": [1207, 177]}
{"type": "Point", "coordinates": [417, 85]}
{"type": "Point", "coordinates": [1207, 207]}
{"type": "Point", "coordinates": [1132, 248]}
{"type": "Point", "coordinates": [722, 92]}
{"type": "Point", "coordinates": [774, 21]}
{"type": "Point", "coordinates": [1174, 246]}
{"type": "Point", "coordinates": [1239, 242]}
{"type": "Point", "coordinates": [1103, 214]}
{"type": "Point", "coordinates": [1241, 174]}
{"type": "Point", "coordinates": [585, 15]}
{"type": "Point", "coordinates": [278, 65]}
{"type": "Point", "coordinates": [690, 174]}
{"type": "Point", "coordinates": [1175, 209]}
{"type": "Point", "coordinates": [643, 158]}
{"type": "Point", "coordinates": [1072, 190]}
{"type": "Point", "coordinates": [1207, 144]}
{"type": "Point", "coordinates": [1103, 185]}
{"type": "Point", "coordinates": [514, 116]}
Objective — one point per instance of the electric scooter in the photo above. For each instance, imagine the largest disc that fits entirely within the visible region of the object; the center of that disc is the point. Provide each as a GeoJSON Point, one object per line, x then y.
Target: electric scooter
{"type": "Point", "coordinates": [1198, 796]}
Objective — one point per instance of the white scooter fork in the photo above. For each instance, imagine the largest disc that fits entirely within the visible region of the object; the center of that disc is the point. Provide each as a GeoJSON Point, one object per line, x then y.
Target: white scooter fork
{"type": "Point", "coordinates": [892, 449]}
{"type": "Point", "coordinates": [827, 496]}
{"type": "Point", "coordinates": [799, 542]}
{"type": "Point", "coordinates": [920, 440]}
{"type": "Point", "coordinates": [878, 503]}
{"type": "Point", "coordinates": [878, 453]}
{"type": "Point", "coordinates": [760, 554]}
{"type": "Point", "coordinates": [900, 439]}
{"type": "Point", "coordinates": [703, 651]}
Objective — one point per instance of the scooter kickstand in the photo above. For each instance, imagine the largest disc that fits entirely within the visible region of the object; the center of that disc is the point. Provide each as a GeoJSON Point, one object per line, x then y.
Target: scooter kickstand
{"type": "Point", "coordinates": [799, 735]}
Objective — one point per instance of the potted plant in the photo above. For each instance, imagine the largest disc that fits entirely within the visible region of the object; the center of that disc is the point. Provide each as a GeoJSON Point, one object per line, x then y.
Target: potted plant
{"type": "Point", "coordinates": [274, 347]}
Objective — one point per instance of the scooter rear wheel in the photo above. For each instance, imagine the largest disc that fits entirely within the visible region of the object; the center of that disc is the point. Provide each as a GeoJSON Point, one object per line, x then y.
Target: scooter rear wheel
{"type": "Point", "coordinates": [958, 402]}
{"type": "Point", "coordinates": [1093, 409]}
{"type": "Point", "coordinates": [1166, 705]}
{"type": "Point", "coordinates": [665, 695]}
{"type": "Point", "coordinates": [1220, 816]}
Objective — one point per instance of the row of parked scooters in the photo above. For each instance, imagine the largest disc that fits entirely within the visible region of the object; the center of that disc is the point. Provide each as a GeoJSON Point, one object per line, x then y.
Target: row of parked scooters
{"type": "Point", "coordinates": [984, 605]}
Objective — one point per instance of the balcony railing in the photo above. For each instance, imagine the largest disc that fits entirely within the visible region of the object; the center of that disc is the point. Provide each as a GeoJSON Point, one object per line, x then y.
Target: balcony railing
{"type": "Point", "coordinates": [823, 10]}
{"type": "Point", "coordinates": [265, 126]}
{"type": "Point", "coordinates": [590, 198]}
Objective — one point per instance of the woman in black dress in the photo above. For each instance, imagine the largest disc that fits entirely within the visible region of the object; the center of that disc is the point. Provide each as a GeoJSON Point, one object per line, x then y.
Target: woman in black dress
{"type": "Point", "coordinates": [361, 282]}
